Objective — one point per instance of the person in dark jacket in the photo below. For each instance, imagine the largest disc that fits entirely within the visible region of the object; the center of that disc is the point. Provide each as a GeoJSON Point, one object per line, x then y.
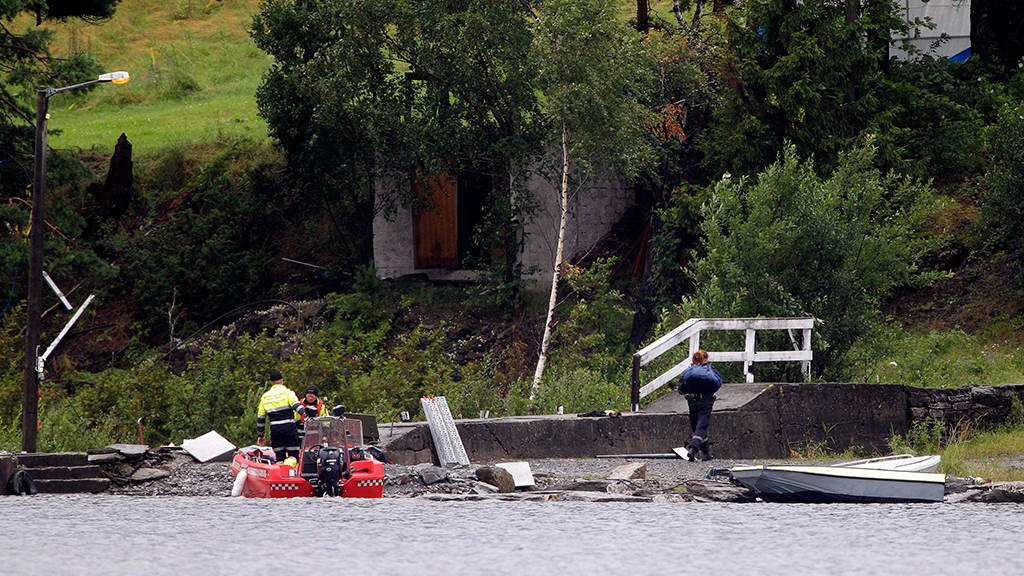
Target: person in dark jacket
{"type": "Point", "coordinates": [315, 408]}
{"type": "Point", "coordinates": [700, 382]}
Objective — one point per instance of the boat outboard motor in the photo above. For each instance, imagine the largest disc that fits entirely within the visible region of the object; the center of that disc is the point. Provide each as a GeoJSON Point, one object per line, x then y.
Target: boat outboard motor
{"type": "Point", "coordinates": [329, 472]}
{"type": "Point", "coordinates": [338, 411]}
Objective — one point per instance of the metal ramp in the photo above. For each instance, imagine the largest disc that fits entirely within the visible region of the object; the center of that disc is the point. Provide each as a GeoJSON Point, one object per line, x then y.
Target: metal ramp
{"type": "Point", "coordinates": [447, 441]}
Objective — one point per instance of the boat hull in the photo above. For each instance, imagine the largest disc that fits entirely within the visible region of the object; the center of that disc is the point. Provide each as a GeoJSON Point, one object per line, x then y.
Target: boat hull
{"type": "Point", "coordinates": [905, 463]}
{"type": "Point", "coordinates": [266, 480]}
{"type": "Point", "coordinates": [822, 484]}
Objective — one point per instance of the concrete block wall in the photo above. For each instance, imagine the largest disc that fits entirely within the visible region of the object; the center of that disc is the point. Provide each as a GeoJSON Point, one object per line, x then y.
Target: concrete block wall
{"type": "Point", "coordinates": [592, 213]}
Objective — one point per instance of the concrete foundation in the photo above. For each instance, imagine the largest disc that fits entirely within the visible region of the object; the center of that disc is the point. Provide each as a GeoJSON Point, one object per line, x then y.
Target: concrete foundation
{"type": "Point", "coordinates": [770, 421]}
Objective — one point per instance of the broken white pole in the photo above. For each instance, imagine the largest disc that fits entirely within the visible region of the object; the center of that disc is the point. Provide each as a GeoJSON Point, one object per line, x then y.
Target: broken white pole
{"type": "Point", "coordinates": [41, 360]}
{"type": "Point", "coordinates": [53, 286]}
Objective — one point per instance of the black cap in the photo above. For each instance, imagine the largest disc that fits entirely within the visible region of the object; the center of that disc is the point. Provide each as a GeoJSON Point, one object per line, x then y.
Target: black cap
{"type": "Point", "coordinates": [313, 390]}
{"type": "Point", "coordinates": [275, 376]}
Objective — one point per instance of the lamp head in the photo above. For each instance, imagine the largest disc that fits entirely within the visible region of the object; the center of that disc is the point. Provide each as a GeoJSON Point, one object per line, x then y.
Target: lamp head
{"type": "Point", "coordinates": [115, 77]}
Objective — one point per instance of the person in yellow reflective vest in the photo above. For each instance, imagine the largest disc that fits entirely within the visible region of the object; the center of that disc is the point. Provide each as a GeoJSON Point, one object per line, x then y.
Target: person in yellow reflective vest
{"type": "Point", "coordinates": [282, 408]}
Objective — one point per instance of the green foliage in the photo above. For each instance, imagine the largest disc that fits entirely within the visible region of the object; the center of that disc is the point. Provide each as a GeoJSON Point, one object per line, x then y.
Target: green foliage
{"type": "Point", "coordinates": [1016, 417]}
{"type": "Point", "coordinates": [801, 74]}
{"type": "Point", "coordinates": [598, 320]}
{"type": "Point", "coordinates": [25, 64]}
{"type": "Point", "coordinates": [207, 246]}
{"type": "Point", "coordinates": [926, 436]}
{"type": "Point", "coordinates": [887, 353]}
{"type": "Point", "coordinates": [1004, 202]}
{"type": "Point", "coordinates": [500, 234]}
{"type": "Point", "coordinates": [932, 117]}
{"type": "Point", "coordinates": [592, 70]}
{"type": "Point", "coordinates": [791, 243]}
{"type": "Point", "coordinates": [367, 89]}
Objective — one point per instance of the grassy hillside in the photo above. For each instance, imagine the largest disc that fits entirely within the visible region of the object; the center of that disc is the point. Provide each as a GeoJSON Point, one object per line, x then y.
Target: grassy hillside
{"type": "Point", "coordinates": [194, 74]}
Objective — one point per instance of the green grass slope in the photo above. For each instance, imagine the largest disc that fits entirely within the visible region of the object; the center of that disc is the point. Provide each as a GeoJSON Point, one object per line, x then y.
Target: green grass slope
{"type": "Point", "coordinates": [194, 69]}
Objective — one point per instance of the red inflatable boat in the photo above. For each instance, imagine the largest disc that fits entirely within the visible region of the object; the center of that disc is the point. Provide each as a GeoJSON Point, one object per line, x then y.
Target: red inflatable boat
{"type": "Point", "coordinates": [331, 463]}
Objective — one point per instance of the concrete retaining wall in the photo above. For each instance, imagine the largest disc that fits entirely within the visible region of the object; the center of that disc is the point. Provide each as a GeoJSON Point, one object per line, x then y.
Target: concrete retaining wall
{"type": "Point", "coordinates": [782, 418]}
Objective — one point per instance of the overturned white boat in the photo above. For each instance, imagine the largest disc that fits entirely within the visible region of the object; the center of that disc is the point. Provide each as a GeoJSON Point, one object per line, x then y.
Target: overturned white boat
{"type": "Point", "coordinates": [903, 462]}
{"type": "Point", "coordinates": [827, 484]}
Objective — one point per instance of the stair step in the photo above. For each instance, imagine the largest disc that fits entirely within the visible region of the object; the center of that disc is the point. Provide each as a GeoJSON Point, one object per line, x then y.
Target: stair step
{"type": "Point", "coordinates": [65, 472]}
{"type": "Point", "coordinates": [86, 485]}
{"type": "Point", "coordinates": [43, 460]}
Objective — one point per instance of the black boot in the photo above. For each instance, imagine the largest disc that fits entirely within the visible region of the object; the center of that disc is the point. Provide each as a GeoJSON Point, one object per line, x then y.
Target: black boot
{"type": "Point", "coordinates": [691, 454]}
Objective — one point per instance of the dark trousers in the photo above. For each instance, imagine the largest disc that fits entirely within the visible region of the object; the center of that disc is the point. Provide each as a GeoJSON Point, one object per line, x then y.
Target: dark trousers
{"type": "Point", "coordinates": [700, 419]}
{"type": "Point", "coordinates": [285, 440]}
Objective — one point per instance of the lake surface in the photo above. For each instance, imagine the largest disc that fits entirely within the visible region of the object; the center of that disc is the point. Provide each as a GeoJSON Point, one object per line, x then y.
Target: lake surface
{"type": "Point", "coordinates": [86, 535]}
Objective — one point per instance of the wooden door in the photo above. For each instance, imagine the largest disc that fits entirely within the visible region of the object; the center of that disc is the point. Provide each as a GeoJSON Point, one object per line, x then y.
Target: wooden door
{"type": "Point", "coordinates": [436, 228]}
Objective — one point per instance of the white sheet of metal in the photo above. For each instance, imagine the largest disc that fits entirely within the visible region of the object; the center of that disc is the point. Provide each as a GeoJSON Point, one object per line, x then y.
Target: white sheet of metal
{"type": "Point", "coordinates": [447, 441]}
{"type": "Point", "coordinates": [210, 447]}
{"type": "Point", "coordinates": [520, 471]}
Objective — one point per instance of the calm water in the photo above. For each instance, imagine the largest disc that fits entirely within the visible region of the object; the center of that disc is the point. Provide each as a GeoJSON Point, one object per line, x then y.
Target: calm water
{"type": "Point", "coordinates": [84, 535]}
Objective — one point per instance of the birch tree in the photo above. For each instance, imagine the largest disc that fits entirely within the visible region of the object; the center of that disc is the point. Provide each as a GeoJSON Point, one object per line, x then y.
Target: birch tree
{"type": "Point", "coordinates": [592, 70]}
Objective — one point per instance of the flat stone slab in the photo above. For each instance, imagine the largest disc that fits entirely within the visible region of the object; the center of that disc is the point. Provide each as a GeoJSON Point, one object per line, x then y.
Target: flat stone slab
{"type": "Point", "coordinates": [44, 460]}
{"type": "Point", "coordinates": [106, 457]}
{"type": "Point", "coordinates": [66, 473]}
{"type": "Point", "coordinates": [83, 486]}
{"type": "Point", "coordinates": [522, 477]}
{"type": "Point", "coordinates": [130, 449]}
{"type": "Point", "coordinates": [629, 471]}
{"type": "Point", "coordinates": [576, 496]}
{"type": "Point", "coordinates": [148, 474]}
{"type": "Point", "coordinates": [210, 447]}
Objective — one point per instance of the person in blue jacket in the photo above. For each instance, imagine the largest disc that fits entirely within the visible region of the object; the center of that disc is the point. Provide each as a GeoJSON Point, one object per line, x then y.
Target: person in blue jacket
{"type": "Point", "coordinates": [700, 382]}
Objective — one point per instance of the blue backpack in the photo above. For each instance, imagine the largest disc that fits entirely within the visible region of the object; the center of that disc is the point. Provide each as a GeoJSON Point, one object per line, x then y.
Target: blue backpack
{"type": "Point", "coordinates": [700, 379]}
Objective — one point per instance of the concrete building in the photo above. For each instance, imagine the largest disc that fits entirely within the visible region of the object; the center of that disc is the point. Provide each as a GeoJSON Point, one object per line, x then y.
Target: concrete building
{"type": "Point", "coordinates": [438, 243]}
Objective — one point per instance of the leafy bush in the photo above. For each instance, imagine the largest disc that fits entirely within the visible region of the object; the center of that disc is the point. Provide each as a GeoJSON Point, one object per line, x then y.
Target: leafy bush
{"type": "Point", "coordinates": [1004, 202]}
{"type": "Point", "coordinates": [791, 243]}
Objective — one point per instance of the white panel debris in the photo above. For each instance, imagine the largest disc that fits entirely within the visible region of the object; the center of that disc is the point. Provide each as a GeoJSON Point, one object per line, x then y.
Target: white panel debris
{"type": "Point", "coordinates": [210, 447]}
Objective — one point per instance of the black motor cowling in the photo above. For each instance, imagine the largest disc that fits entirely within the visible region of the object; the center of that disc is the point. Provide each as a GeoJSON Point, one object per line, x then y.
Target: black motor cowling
{"type": "Point", "coordinates": [330, 468]}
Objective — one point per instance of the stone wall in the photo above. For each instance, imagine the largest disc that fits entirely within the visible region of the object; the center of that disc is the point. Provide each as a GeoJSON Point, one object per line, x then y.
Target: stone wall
{"type": "Point", "coordinates": [981, 406]}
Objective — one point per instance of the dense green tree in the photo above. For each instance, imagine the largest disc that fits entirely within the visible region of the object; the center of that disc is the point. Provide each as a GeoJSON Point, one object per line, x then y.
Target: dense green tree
{"type": "Point", "coordinates": [997, 32]}
{"type": "Point", "coordinates": [1004, 201]}
{"type": "Point", "coordinates": [363, 92]}
{"type": "Point", "coordinates": [809, 73]}
{"type": "Point", "coordinates": [789, 242]}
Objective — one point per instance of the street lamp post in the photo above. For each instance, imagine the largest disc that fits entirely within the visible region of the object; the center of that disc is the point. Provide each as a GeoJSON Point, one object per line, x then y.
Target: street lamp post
{"type": "Point", "coordinates": [30, 406]}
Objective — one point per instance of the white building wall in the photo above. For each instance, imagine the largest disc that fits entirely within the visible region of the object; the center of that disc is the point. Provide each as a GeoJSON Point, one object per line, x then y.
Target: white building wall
{"type": "Point", "coordinates": [951, 17]}
{"type": "Point", "coordinates": [393, 244]}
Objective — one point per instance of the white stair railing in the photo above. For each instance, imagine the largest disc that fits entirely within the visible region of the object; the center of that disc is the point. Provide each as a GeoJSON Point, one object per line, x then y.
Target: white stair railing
{"type": "Point", "coordinates": [690, 331]}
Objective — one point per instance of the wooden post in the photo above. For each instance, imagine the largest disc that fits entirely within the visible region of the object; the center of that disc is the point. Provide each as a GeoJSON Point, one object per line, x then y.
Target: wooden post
{"type": "Point", "coordinates": [634, 397]}
{"type": "Point", "coordinates": [748, 355]}
{"type": "Point", "coordinates": [806, 364]}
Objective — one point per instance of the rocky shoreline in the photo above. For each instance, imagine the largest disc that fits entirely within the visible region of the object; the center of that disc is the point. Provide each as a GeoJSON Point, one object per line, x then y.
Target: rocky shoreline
{"type": "Point", "coordinates": [174, 473]}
